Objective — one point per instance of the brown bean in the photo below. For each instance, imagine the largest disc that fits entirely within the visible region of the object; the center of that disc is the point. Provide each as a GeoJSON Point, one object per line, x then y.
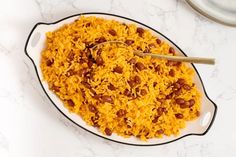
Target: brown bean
{"type": "Point", "coordinates": [71, 103]}
{"type": "Point", "coordinates": [152, 45]}
{"type": "Point", "coordinates": [172, 72]}
{"type": "Point", "coordinates": [88, 24]}
{"type": "Point", "coordinates": [131, 83]}
{"type": "Point", "coordinates": [184, 105]}
{"type": "Point", "coordinates": [157, 68]}
{"type": "Point", "coordinates": [90, 63]}
{"type": "Point", "coordinates": [132, 61]}
{"type": "Point", "coordinates": [176, 85]}
{"type": "Point", "coordinates": [118, 69]}
{"type": "Point", "coordinates": [161, 110]}
{"type": "Point", "coordinates": [158, 41]}
{"type": "Point", "coordinates": [147, 50]}
{"type": "Point", "coordinates": [129, 42]}
{"type": "Point", "coordinates": [111, 87]}
{"type": "Point", "coordinates": [154, 84]}
{"type": "Point", "coordinates": [137, 79]}
{"type": "Point", "coordinates": [55, 88]}
{"type": "Point", "coordinates": [186, 87]}
{"type": "Point", "coordinates": [140, 66]}
{"type": "Point", "coordinates": [49, 62]}
{"type": "Point", "coordinates": [169, 96]}
{"type": "Point", "coordinates": [112, 32]}
{"type": "Point", "coordinates": [160, 131]}
{"type": "Point", "coordinates": [155, 119]}
{"type": "Point", "coordinates": [173, 63]}
{"type": "Point", "coordinates": [106, 98]}
{"type": "Point", "coordinates": [92, 108]}
{"type": "Point", "coordinates": [121, 113]}
{"type": "Point", "coordinates": [108, 131]}
{"type": "Point", "coordinates": [99, 61]}
{"type": "Point", "coordinates": [70, 72]}
{"type": "Point", "coordinates": [86, 84]}
{"type": "Point", "coordinates": [179, 101]}
{"type": "Point", "coordinates": [177, 92]}
{"type": "Point", "coordinates": [191, 102]}
{"type": "Point", "coordinates": [179, 116]}
{"type": "Point", "coordinates": [97, 96]}
{"type": "Point", "coordinates": [143, 92]}
{"type": "Point", "coordinates": [99, 51]}
{"type": "Point", "coordinates": [172, 50]}
{"type": "Point", "coordinates": [181, 81]}
{"type": "Point", "coordinates": [83, 71]}
{"type": "Point", "coordinates": [127, 92]}
{"type": "Point", "coordinates": [101, 40]}
{"type": "Point", "coordinates": [140, 31]}
{"type": "Point", "coordinates": [71, 56]}
{"type": "Point", "coordinates": [137, 90]}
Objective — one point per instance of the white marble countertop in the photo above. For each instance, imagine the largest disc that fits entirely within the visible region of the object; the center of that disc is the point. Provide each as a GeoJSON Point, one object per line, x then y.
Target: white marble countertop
{"type": "Point", "coordinates": [31, 126]}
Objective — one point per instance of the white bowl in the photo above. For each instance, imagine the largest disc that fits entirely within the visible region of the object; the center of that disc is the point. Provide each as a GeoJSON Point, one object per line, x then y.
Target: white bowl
{"type": "Point", "coordinates": [36, 43]}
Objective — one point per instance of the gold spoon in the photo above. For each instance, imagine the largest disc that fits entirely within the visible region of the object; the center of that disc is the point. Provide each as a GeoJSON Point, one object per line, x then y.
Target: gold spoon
{"type": "Point", "coordinates": [198, 60]}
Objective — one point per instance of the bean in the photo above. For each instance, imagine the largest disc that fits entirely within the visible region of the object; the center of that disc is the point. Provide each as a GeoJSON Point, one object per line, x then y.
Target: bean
{"type": "Point", "coordinates": [157, 68]}
{"type": "Point", "coordinates": [169, 96]}
{"type": "Point", "coordinates": [140, 31]}
{"type": "Point", "coordinates": [147, 50]}
{"type": "Point", "coordinates": [173, 63]}
{"type": "Point", "coordinates": [155, 119]}
{"type": "Point", "coordinates": [121, 113]}
{"type": "Point", "coordinates": [137, 79]}
{"type": "Point", "coordinates": [90, 63]}
{"type": "Point", "coordinates": [172, 50]}
{"type": "Point", "coordinates": [177, 92]}
{"type": "Point", "coordinates": [158, 41]}
{"type": "Point", "coordinates": [86, 84]}
{"type": "Point", "coordinates": [172, 72]}
{"type": "Point", "coordinates": [137, 90]}
{"type": "Point", "coordinates": [161, 110]}
{"type": "Point", "coordinates": [99, 61]}
{"type": "Point", "coordinates": [118, 69]}
{"type": "Point", "coordinates": [127, 92]}
{"type": "Point", "coordinates": [70, 72]}
{"type": "Point", "coordinates": [186, 87]}
{"type": "Point", "coordinates": [129, 42]}
{"type": "Point", "coordinates": [132, 61]}
{"type": "Point", "coordinates": [99, 51]}
{"type": "Point", "coordinates": [154, 84]}
{"type": "Point", "coordinates": [83, 93]}
{"type": "Point", "coordinates": [152, 45]}
{"type": "Point", "coordinates": [83, 71]}
{"type": "Point", "coordinates": [55, 88]}
{"type": "Point", "coordinates": [92, 108]}
{"type": "Point", "coordinates": [179, 115]}
{"type": "Point", "coordinates": [71, 56]}
{"type": "Point", "coordinates": [101, 40]}
{"type": "Point", "coordinates": [143, 92]}
{"type": "Point", "coordinates": [112, 32]}
{"type": "Point", "coordinates": [191, 102]}
{"type": "Point", "coordinates": [97, 96]}
{"type": "Point", "coordinates": [131, 83]}
{"type": "Point", "coordinates": [106, 98]}
{"type": "Point", "coordinates": [180, 101]}
{"type": "Point", "coordinates": [108, 131]}
{"type": "Point", "coordinates": [181, 81]}
{"type": "Point", "coordinates": [111, 87]}
{"type": "Point", "coordinates": [70, 103]}
{"type": "Point", "coordinates": [88, 24]}
{"type": "Point", "coordinates": [176, 85]}
{"type": "Point", "coordinates": [160, 131]}
{"type": "Point", "coordinates": [49, 62]}
{"type": "Point", "coordinates": [140, 66]}
{"type": "Point", "coordinates": [184, 105]}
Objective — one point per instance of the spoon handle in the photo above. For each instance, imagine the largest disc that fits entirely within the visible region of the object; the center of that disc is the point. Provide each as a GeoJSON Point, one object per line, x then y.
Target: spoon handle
{"type": "Point", "coordinates": [198, 60]}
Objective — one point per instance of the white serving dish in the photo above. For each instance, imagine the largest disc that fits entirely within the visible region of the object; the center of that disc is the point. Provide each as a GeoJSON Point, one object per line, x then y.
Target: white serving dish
{"type": "Point", "coordinates": [35, 44]}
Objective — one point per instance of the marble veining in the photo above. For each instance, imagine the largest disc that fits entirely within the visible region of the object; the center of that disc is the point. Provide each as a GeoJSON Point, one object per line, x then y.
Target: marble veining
{"type": "Point", "coordinates": [31, 126]}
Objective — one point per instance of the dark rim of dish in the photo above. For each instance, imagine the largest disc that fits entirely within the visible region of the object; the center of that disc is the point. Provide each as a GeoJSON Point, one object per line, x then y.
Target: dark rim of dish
{"type": "Point", "coordinates": [42, 23]}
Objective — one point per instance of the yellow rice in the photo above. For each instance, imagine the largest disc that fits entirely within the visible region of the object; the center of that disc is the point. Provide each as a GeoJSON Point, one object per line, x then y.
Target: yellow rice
{"type": "Point", "coordinates": [62, 60]}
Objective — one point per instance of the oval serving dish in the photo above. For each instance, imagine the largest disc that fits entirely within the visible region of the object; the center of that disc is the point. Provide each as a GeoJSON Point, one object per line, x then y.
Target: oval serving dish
{"type": "Point", "coordinates": [36, 43]}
